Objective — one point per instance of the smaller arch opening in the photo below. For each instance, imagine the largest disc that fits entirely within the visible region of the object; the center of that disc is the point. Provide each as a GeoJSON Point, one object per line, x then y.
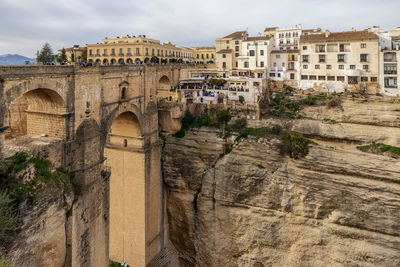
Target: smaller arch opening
{"type": "Point", "coordinates": [123, 93]}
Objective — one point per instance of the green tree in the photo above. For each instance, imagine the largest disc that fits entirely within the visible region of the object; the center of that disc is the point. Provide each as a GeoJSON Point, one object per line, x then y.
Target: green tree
{"type": "Point", "coordinates": [45, 55]}
{"type": "Point", "coordinates": [84, 55]}
{"type": "Point", "coordinates": [154, 59]}
{"type": "Point", "coordinates": [241, 99]}
{"type": "Point", "coordinates": [7, 218]}
{"type": "Point", "coordinates": [72, 57]}
{"type": "Point", "coordinates": [27, 62]}
{"type": "Point", "coordinates": [223, 118]}
{"type": "Point", "coordinates": [63, 56]}
{"type": "Point", "coordinates": [173, 60]}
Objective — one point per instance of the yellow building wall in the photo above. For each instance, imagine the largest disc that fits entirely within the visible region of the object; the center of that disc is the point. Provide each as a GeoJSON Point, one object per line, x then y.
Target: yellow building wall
{"type": "Point", "coordinates": [127, 206]}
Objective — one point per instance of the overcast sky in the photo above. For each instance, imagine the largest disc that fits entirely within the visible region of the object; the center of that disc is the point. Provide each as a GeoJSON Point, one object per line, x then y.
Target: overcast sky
{"type": "Point", "coordinates": [25, 25]}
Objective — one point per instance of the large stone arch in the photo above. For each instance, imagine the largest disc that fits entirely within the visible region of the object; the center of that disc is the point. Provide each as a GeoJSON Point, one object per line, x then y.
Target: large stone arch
{"type": "Point", "coordinates": [163, 87]}
{"type": "Point", "coordinates": [36, 112]}
{"type": "Point", "coordinates": [126, 107]}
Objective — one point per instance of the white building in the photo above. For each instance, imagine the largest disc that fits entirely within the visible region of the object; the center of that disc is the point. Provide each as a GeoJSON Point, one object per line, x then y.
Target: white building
{"type": "Point", "coordinates": [255, 56]}
{"type": "Point", "coordinates": [289, 38]}
{"type": "Point", "coordinates": [284, 67]}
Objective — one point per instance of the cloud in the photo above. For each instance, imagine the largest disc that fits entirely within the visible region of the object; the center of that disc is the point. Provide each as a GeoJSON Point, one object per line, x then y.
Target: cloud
{"type": "Point", "coordinates": [27, 24]}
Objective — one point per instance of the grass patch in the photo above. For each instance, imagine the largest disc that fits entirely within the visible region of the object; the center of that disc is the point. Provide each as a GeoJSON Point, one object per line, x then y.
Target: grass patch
{"type": "Point", "coordinates": [14, 171]}
{"type": "Point", "coordinates": [117, 264]}
{"type": "Point", "coordinates": [260, 166]}
{"type": "Point", "coordinates": [329, 121]}
{"type": "Point", "coordinates": [380, 148]}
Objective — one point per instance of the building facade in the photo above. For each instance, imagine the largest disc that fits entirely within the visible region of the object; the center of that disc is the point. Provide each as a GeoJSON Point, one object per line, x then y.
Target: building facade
{"type": "Point", "coordinates": [337, 61]}
{"type": "Point", "coordinates": [136, 50]}
{"type": "Point", "coordinates": [388, 66]}
{"type": "Point", "coordinates": [284, 67]}
{"type": "Point", "coordinates": [288, 39]}
{"type": "Point", "coordinates": [255, 56]}
{"type": "Point", "coordinates": [74, 53]}
{"type": "Point", "coordinates": [204, 55]}
{"type": "Point", "coordinates": [229, 48]}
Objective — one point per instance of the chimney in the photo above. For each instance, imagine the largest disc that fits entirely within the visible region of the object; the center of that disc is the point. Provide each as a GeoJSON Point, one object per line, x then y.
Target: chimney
{"type": "Point", "coordinates": [327, 33]}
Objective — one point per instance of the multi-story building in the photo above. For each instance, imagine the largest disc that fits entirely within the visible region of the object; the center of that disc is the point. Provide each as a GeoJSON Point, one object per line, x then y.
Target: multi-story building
{"type": "Point", "coordinates": [204, 55]}
{"type": "Point", "coordinates": [389, 75]}
{"type": "Point", "coordinates": [284, 66]}
{"type": "Point", "coordinates": [229, 48]}
{"type": "Point", "coordinates": [255, 56]}
{"type": "Point", "coordinates": [288, 39]}
{"type": "Point", "coordinates": [336, 61]}
{"type": "Point", "coordinates": [131, 49]}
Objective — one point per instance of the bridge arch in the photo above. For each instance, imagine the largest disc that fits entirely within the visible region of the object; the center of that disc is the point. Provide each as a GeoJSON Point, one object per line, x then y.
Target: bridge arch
{"type": "Point", "coordinates": [36, 112]}
{"type": "Point", "coordinates": [163, 87]}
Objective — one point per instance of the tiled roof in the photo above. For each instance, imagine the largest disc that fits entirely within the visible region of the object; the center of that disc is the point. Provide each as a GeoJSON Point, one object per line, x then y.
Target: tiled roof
{"type": "Point", "coordinates": [339, 36]}
{"type": "Point", "coordinates": [258, 38]}
{"type": "Point", "coordinates": [224, 51]}
{"type": "Point", "coordinates": [236, 35]}
{"type": "Point", "coordinates": [271, 29]}
{"type": "Point", "coordinates": [312, 30]}
{"type": "Point", "coordinates": [204, 47]}
{"type": "Point", "coordinates": [396, 38]}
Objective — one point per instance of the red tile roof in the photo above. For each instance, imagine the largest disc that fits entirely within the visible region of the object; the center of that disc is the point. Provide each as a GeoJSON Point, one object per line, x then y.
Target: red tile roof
{"type": "Point", "coordinates": [338, 36]}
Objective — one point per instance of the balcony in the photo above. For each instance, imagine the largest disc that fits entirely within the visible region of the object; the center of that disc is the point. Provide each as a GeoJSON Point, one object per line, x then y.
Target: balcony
{"type": "Point", "coordinates": [321, 61]}
{"type": "Point", "coordinates": [129, 54]}
{"type": "Point", "coordinates": [104, 55]}
{"type": "Point", "coordinates": [97, 55]}
{"type": "Point", "coordinates": [121, 54]}
{"type": "Point", "coordinates": [390, 72]}
{"type": "Point", "coordinates": [112, 54]}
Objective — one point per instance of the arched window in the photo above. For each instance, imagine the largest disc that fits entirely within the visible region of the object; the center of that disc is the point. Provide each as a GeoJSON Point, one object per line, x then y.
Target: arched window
{"type": "Point", "coordinates": [123, 93]}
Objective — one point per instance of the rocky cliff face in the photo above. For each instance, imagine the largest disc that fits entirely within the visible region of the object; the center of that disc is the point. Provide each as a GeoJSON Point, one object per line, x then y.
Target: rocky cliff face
{"type": "Point", "coordinates": [40, 237]}
{"type": "Point", "coordinates": [337, 206]}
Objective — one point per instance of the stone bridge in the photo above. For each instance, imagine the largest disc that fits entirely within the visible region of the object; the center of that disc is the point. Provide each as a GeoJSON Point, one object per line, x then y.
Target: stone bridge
{"type": "Point", "coordinates": [107, 119]}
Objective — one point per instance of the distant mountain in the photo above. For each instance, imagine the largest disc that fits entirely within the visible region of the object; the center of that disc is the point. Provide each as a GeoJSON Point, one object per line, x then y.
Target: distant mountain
{"type": "Point", "coordinates": [9, 59]}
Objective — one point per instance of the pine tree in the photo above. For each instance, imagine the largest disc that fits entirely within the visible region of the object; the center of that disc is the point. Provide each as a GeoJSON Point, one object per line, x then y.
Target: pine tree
{"type": "Point", "coordinates": [45, 55]}
{"type": "Point", "coordinates": [63, 56]}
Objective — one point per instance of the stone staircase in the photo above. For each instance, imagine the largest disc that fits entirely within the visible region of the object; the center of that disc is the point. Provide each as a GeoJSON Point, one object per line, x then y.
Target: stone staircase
{"type": "Point", "coordinates": [168, 257]}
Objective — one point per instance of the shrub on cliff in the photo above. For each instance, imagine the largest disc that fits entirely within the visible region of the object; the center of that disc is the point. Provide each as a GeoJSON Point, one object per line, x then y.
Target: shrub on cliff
{"type": "Point", "coordinates": [294, 144]}
{"type": "Point", "coordinates": [7, 217]}
{"type": "Point", "coordinates": [380, 148]}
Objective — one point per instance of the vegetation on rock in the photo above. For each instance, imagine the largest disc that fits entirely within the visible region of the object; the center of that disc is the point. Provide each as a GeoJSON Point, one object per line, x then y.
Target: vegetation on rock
{"type": "Point", "coordinates": [294, 144]}
{"type": "Point", "coordinates": [379, 148]}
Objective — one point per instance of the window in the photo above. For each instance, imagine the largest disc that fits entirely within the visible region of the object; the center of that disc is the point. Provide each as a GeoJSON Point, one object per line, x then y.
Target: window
{"type": "Point", "coordinates": [97, 52]}
{"type": "Point", "coordinates": [340, 57]}
{"type": "Point", "coordinates": [224, 65]}
{"type": "Point", "coordinates": [227, 42]}
{"type": "Point", "coordinates": [152, 52]}
{"type": "Point", "coordinates": [390, 68]}
{"type": "Point", "coordinates": [272, 75]}
{"type": "Point", "coordinates": [328, 67]}
{"type": "Point", "coordinates": [236, 64]}
{"type": "Point", "coordinates": [90, 52]}
{"type": "Point", "coordinates": [331, 78]}
{"type": "Point", "coordinates": [283, 64]}
{"type": "Point", "coordinates": [113, 51]}
{"type": "Point", "coordinates": [304, 77]}
{"type": "Point", "coordinates": [246, 64]}
{"type": "Point", "coordinates": [252, 53]}
{"type": "Point", "coordinates": [278, 74]}
{"type": "Point", "coordinates": [236, 54]}
{"type": "Point", "coordinates": [321, 58]}
{"type": "Point", "coordinates": [305, 67]}
{"type": "Point", "coordinates": [292, 76]}
{"type": "Point", "coordinates": [365, 67]}
{"type": "Point", "coordinates": [138, 51]}
{"type": "Point", "coordinates": [206, 55]}
{"type": "Point", "coordinates": [364, 79]}
{"type": "Point", "coordinates": [212, 55]}
{"type": "Point", "coordinates": [223, 55]}
{"type": "Point", "coordinates": [278, 56]}
{"type": "Point", "coordinates": [390, 82]}
{"type": "Point", "coordinates": [304, 47]}
{"type": "Point", "coordinates": [305, 58]}
{"type": "Point", "coordinates": [202, 56]}
{"type": "Point", "coordinates": [313, 77]}
{"type": "Point", "coordinates": [198, 56]}
{"type": "Point", "coordinates": [105, 52]}
{"type": "Point", "coordinates": [352, 67]}
{"type": "Point", "coordinates": [363, 45]}
{"type": "Point", "coordinates": [341, 47]}
{"type": "Point", "coordinates": [321, 78]}
{"type": "Point", "coordinates": [261, 52]}
{"type": "Point", "coordinates": [236, 48]}
{"type": "Point", "coordinates": [121, 52]}
{"type": "Point", "coordinates": [129, 51]}
{"type": "Point", "coordinates": [364, 58]}
{"type": "Point", "coordinates": [236, 42]}
{"type": "Point", "coordinates": [374, 79]}
{"type": "Point", "coordinates": [340, 78]}
{"type": "Point", "coordinates": [317, 67]}
{"type": "Point", "coordinates": [352, 79]}
{"type": "Point", "coordinates": [320, 48]}
{"type": "Point", "coordinates": [341, 67]}
{"type": "Point", "coordinates": [262, 64]}
{"type": "Point", "coordinates": [274, 64]}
